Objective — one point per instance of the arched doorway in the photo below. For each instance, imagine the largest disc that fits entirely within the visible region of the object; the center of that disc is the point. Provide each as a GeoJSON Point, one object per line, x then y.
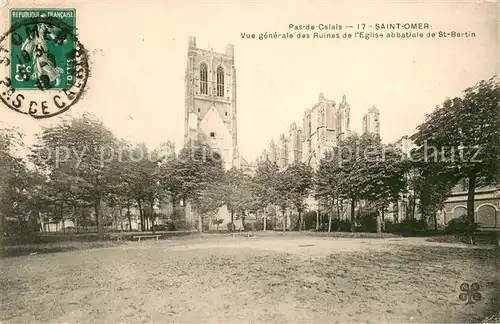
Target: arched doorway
{"type": "Point", "coordinates": [458, 211]}
{"type": "Point", "coordinates": [486, 216]}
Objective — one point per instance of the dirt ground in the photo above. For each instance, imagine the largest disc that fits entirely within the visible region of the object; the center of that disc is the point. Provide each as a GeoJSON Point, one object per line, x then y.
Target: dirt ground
{"type": "Point", "coordinates": [251, 280]}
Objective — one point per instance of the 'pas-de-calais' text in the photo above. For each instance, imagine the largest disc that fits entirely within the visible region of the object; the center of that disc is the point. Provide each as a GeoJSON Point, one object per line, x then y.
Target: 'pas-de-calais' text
{"type": "Point", "coordinates": [378, 26]}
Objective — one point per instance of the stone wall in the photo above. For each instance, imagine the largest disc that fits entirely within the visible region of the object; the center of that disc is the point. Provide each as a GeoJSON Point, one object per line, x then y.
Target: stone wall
{"type": "Point", "coordinates": [486, 207]}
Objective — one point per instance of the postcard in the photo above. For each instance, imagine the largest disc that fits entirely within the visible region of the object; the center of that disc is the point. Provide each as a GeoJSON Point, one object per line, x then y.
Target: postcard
{"type": "Point", "coordinates": [249, 161]}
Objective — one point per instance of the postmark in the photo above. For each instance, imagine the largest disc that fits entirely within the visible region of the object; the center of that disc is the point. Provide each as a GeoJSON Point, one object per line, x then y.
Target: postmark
{"type": "Point", "coordinates": [43, 67]}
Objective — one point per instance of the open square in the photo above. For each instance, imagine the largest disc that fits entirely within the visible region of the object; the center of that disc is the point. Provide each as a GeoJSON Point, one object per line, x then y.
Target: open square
{"type": "Point", "coordinates": [259, 279]}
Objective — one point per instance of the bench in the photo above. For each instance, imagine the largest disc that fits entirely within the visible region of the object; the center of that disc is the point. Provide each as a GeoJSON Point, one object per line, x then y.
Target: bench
{"type": "Point", "coordinates": [241, 232]}
{"type": "Point", "coordinates": [138, 237]}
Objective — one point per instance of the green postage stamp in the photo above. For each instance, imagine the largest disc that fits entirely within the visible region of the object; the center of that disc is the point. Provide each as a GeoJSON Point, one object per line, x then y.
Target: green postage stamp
{"type": "Point", "coordinates": [43, 67]}
{"type": "Point", "coordinates": [42, 53]}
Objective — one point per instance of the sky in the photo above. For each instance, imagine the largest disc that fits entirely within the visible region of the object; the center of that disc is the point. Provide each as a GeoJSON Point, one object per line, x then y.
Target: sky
{"type": "Point", "coordinates": [138, 55]}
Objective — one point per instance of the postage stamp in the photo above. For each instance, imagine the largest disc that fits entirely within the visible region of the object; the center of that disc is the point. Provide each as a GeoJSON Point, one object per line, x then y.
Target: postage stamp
{"type": "Point", "coordinates": [43, 67]}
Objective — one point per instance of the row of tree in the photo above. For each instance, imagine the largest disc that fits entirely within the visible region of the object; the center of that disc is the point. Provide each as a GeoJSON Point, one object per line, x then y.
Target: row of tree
{"type": "Point", "coordinates": [80, 164]}
{"type": "Point", "coordinates": [458, 142]}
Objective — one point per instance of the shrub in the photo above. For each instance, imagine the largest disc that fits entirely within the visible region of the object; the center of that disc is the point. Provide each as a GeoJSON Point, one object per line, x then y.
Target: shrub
{"type": "Point", "coordinates": [231, 226]}
{"type": "Point", "coordinates": [407, 227]}
{"type": "Point", "coordinates": [392, 227]}
{"type": "Point", "coordinates": [217, 221]}
{"type": "Point", "coordinates": [15, 228]}
{"type": "Point", "coordinates": [248, 227]}
{"type": "Point", "coordinates": [259, 225]}
{"type": "Point", "coordinates": [18, 232]}
{"type": "Point", "coordinates": [461, 225]}
{"type": "Point", "coordinates": [180, 224]}
{"type": "Point", "coordinates": [343, 225]}
{"type": "Point", "coordinates": [170, 226]}
{"type": "Point", "coordinates": [294, 219]}
{"type": "Point", "coordinates": [69, 229]}
{"type": "Point", "coordinates": [338, 225]}
{"type": "Point", "coordinates": [159, 227]}
{"type": "Point", "coordinates": [367, 220]}
{"type": "Point", "coordinates": [309, 220]}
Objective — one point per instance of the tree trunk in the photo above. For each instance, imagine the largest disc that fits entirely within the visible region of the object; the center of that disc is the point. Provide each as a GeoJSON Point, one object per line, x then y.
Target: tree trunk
{"type": "Point", "coordinates": [200, 223]}
{"type": "Point", "coordinates": [383, 220]}
{"type": "Point", "coordinates": [435, 220]}
{"type": "Point", "coordinates": [98, 214]}
{"type": "Point", "coordinates": [329, 221]}
{"type": "Point", "coordinates": [232, 220]}
{"type": "Point", "coordinates": [379, 221]}
{"type": "Point", "coordinates": [121, 218]}
{"type": "Point", "coordinates": [141, 214]}
{"type": "Point", "coordinates": [396, 215]}
{"type": "Point", "coordinates": [353, 210]}
{"type": "Point", "coordinates": [284, 221]}
{"type": "Point", "coordinates": [340, 213]}
{"type": "Point", "coordinates": [265, 219]}
{"type": "Point", "coordinates": [414, 207]}
{"type": "Point", "coordinates": [470, 204]}
{"type": "Point", "coordinates": [129, 216]}
{"type": "Point", "coordinates": [77, 225]}
{"type": "Point", "coordinates": [317, 220]}
{"type": "Point", "coordinates": [75, 217]}
{"type": "Point", "coordinates": [301, 221]}
{"type": "Point", "coordinates": [61, 215]}
{"type": "Point", "coordinates": [173, 207]}
{"type": "Point", "coordinates": [115, 218]}
{"type": "Point", "coordinates": [151, 213]}
{"type": "Point", "coordinates": [470, 198]}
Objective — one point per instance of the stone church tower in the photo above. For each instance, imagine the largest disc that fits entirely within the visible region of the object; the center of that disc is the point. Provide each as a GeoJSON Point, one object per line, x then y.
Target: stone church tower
{"type": "Point", "coordinates": [211, 101]}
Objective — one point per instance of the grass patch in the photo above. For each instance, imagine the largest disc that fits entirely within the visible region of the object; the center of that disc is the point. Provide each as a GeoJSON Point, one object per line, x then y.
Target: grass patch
{"type": "Point", "coordinates": [30, 249]}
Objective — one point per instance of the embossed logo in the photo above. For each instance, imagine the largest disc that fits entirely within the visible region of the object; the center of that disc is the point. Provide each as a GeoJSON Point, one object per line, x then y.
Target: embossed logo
{"type": "Point", "coordinates": [470, 293]}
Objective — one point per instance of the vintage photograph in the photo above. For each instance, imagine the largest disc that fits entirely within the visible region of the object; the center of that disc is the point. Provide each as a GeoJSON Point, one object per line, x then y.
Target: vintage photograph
{"type": "Point", "coordinates": [249, 162]}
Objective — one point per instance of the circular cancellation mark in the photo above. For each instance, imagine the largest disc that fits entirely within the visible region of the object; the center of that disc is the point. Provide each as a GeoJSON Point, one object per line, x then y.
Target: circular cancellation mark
{"type": "Point", "coordinates": [32, 81]}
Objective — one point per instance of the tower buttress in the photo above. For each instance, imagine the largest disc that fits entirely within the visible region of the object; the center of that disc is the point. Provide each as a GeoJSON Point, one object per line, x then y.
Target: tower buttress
{"type": "Point", "coordinates": [344, 119]}
{"type": "Point", "coordinates": [210, 113]}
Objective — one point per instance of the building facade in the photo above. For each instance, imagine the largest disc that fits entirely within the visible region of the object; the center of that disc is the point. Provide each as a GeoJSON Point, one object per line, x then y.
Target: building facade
{"type": "Point", "coordinates": [371, 121]}
{"type": "Point", "coordinates": [323, 126]}
{"type": "Point", "coordinates": [486, 200]}
{"type": "Point", "coordinates": [211, 114]}
{"type": "Point", "coordinates": [210, 102]}
{"type": "Point", "coordinates": [486, 206]}
{"type": "Point", "coordinates": [167, 149]}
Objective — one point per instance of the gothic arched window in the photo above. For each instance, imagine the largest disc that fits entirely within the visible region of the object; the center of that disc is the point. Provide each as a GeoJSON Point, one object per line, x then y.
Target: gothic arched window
{"type": "Point", "coordinates": [220, 82]}
{"type": "Point", "coordinates": [203, 79]}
